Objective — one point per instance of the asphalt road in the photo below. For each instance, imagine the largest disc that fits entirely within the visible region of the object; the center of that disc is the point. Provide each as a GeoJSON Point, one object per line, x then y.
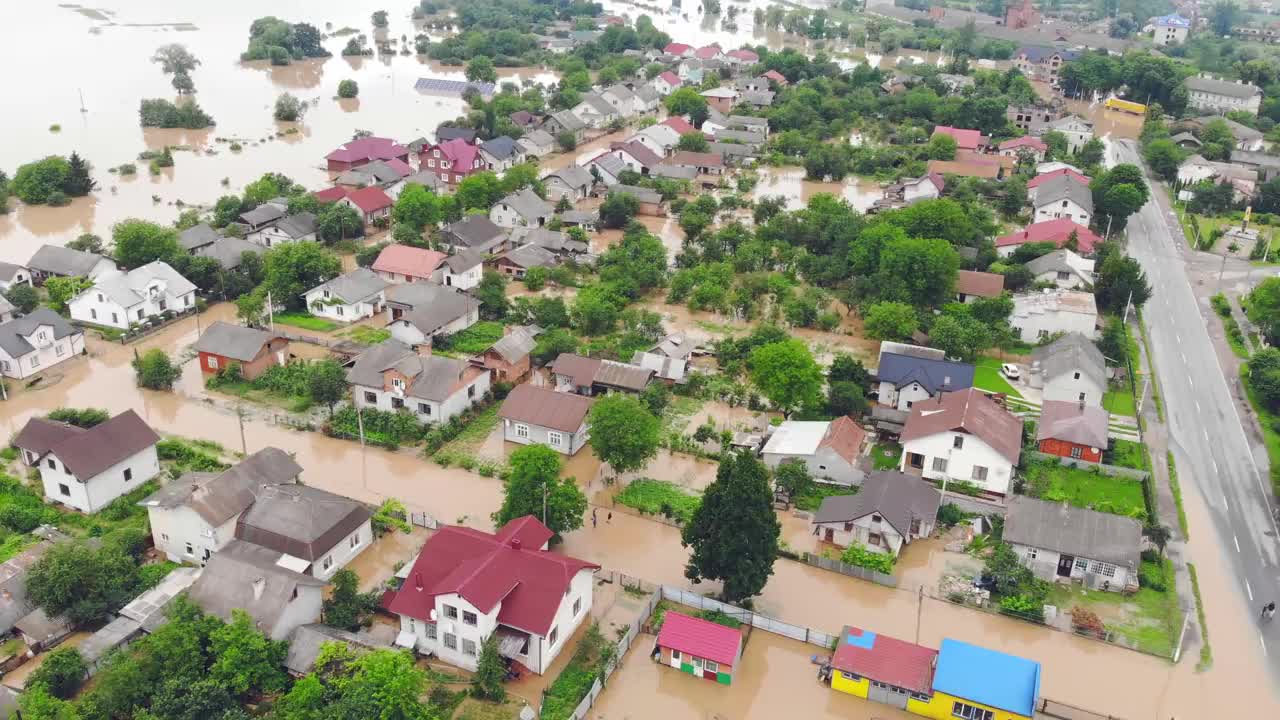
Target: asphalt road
{"type": "Point", "coordinates": [1213, 453]}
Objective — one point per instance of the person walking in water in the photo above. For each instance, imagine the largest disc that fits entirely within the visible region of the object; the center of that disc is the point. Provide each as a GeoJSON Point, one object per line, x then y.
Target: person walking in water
{"type": "Point", "coordinates": [1268, 611]}
{"type": "Point", "coordinates": [593, 518]}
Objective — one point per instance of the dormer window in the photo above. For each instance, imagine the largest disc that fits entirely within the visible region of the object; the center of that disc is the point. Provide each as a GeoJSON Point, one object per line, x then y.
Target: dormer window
{"type": "Point", "coordinates": [397, 383]}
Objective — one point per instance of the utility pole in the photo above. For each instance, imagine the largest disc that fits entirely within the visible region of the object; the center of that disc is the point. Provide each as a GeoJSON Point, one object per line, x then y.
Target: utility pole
{"type": "Point", "coordinates": [919, 610]}
{"type": "Point", "coordinates": [544, 503]}
{"type": "Point", "coordinates": [244, 447]}
{"type": "Point", "coordinates": [271, 315]}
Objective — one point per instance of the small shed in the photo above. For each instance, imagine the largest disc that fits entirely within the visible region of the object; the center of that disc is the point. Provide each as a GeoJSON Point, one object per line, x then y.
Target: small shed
{"type": "Point", "coordinates": [41, 632]}
{"type": "Point", "coordinates": [699, 647]}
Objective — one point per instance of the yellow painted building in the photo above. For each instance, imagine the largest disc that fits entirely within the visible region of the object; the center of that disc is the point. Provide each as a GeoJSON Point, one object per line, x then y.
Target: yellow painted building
{"type": "Point", "coordinates": [958, 681]}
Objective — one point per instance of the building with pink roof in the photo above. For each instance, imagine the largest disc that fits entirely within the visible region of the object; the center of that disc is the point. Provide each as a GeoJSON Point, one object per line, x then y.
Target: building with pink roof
{"type": "Point", "coordinates": [451, 160]}
{"type": "Point", "coordinates": [364, 150]}
{"type": "Point", "coordinates": [969, 140]}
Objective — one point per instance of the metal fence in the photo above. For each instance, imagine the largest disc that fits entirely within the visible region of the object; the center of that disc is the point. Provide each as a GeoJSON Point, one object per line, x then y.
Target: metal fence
{"type": "Point", "coordinates": [1109, 470]}
{"type": "Point", "coordinates": [845, 568]}
{"type": "Point", "coordinates": [747, 617]}
{"type": "Point", "coordinates": [623, 645]}
{"type": "Point", "coordinates": [1063, 711]}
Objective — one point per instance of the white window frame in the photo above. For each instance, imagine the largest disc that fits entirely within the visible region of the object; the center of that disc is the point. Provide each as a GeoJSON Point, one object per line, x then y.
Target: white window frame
{"type": "Point", "coordinates": [554, 438]}
{"type": "Point", "coordinates": [711, 666]}
{"type": "Point", "coordinates": [522, 431]}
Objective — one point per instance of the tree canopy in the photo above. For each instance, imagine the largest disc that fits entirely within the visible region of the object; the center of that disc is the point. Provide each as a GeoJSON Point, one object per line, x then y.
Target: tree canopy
{"type": "Point", "coordinates": [734, 532]}
{"type": "Point", "coordinates": [535, 479]}
{"type": "Point", "coordinates": [624, 433]}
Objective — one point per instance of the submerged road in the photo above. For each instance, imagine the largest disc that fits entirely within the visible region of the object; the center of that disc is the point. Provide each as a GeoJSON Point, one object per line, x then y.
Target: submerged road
{"type": "Point", "coordinates": [1211, 449]}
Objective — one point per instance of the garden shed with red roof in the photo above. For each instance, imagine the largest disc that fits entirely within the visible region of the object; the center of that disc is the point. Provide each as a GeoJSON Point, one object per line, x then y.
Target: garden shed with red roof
{"type": "Point", "coordinates": [699, 647]}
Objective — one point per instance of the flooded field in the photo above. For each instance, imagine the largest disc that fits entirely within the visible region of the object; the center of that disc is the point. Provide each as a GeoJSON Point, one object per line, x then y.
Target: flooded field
{"type": "Point", "coordinates": [789, 182]}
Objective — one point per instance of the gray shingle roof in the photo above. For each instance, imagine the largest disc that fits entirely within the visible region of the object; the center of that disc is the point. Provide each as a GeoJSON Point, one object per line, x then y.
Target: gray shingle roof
{"type": "Point", "coordinates": [1069, 353]}
{"type": "Point", "coordinates": [538, 139]}
{"type": "Point", "coordinates": [433, 377]}
{"type": "Point", "coordinates": [575, 176]}
{"type": "Point", "coordinates": [262, 215]}
{"type": "Point", "coordinates": [1074, 531]}
{"type": "Point", "coordinates": [87, 454]}
{"type": "Point", "coordinates": [431, 306]}
{"type": "Point", "coordinates": [234, 341]}
{"type": "Point", "coordinates": [517, 343]}
{"type": "Point", "coordinates": [1064, 187]}
{"type": "Point", "coordinates": [611, 164]}
{"type": "Point", "coordinates": [12, 333]}
{"type": "Point", "coordinates": [307, 641]}
{"type": "Point", "coordinates": [463, 260]}
{"type": "Point", "coordinates": [475, 231]}
{"type": "Point", "coordinates": [197, 236]}
{"type": "Point", "coordinates": [218, 497]}
{"type": "Point", "coordinates": [501, 147]}
{"type": "Point", "coordinates": [528, 205]}
{"type": "Point", "coordinates": [8, 271]}
{"type": "Point", "coordinates": [229, 250]}
{"type": "Point", "coordinates": [644, 195]}
{"type": "Point", "coordinates": [1055, 261]}
{"type": "Point", "coordinates": [1228, 88]}
{"type": "Point", "coordinates": [599, 104]}
{"type": "Point", "coordinates": [897, 497]}
{"type": "Point", "coordinates": [244, 576]}
{"type": "Point", "coordinates": [129, 289]}
{"type": "Point", "coordinates": [1074, 422]}
{"type": "Point", "coordinates": [354, 286]}
{"type": "Point", "coordinates": [300, 520]}
{"type": "Point", "coordinates": [530, 255]}
{"type": "Point", "coordinates": [547, 408]}
{"type": "Point", "coordinates": [569, 121]}
{"type": "Point", "coordinates": [297, 226]}
{"type": "Point", "coordinates": [57, 260]}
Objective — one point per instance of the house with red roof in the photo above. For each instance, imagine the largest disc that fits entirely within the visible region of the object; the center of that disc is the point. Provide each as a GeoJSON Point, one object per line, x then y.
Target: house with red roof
{"type": "Point", "coordinates": [969, 140]}
{"type": "Point", "coordinates": [1057, 231]}
{"type": "Point", "coordinates": [364, 150]}
{"type": "Point", "coordinates": [328, 195]}
{"type": "Point", "coordinates": [371, 202]}
{"type": "Point", "coordinates": [962, 436]}
{"type": "Point", "coordinates": [741, 57]}
{"type": "Point", "coordinates": [451, 160]}
{"type": "Point", "coordinates": [1014, 148]}
{"type": "Point", "coordinates": [678, 49]}
{"type": "Point", "coordinates": [666, 83]}
{"type": "Point", "coordinates": [1045, 177]}
{"type": "Point", "coordinates": [776, 76]}
{"type": "Point", "coordinates": [699, 647]}
{"type": "Point", "coordinates": [406, 264]}
{"type": "Point", "coordinates": [467, 586]}
{"type": "Point", "coordinates": [709, 52]}
{"type": "Point", "coordinates": [866, 662]}
{"type": "Point", "coordinates": [679, 124]}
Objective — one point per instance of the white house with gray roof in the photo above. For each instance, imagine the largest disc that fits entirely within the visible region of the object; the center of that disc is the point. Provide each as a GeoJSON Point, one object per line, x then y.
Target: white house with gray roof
{"type": "Point", "coordinates": [1071, 369]}
{"type": "Point", "coordinates": [197, 236]}
{"type": "Point", "coordinates": [609, 168]}
{"type": "Point", "coordinates": [244, 576]}
{"type": "Point", "coordinates": [891, 510]}
{"type": "Point", "coordinates": [291, 228]}
{"type": "Point", "coordinates": [1205, 92]}
{"type": "Point", "coordinates": [474, 232]}
{"type": "Point", "coordinates": [595, 111]}
{"type": "Point", "coordinates": [573, 182]}
{"type": "Point", "coordinates": [1077, 130]}
{"type": "Point", "coordinates": [11, 274]}
{"type": "Point", "coordinates": [1060, 542]}
{"type": "Point", "coordinates": [350, 297]}
{"type": "Point", "coordinates": [36, 342]}
{"type": "Point", "coordinates": [416, 312]}
{"type": "Point", "coordinates": [1063, 268]}
{"type": "Point", "coordinates": [57, 261]}
{"type": "Point", "coordinates": [622, 98]}
{"type": "Point", "coordinates": [521, 209]}
{"type": "Point", "coordinates": [1063, 197]}
{"type": "Point", "coordinates": [500, 153]}
{"type": "Point", "coordinates": [463, 270]}
{"type": "Point", "coordinates": [537, 143]}
{"type": "Point", "coordinates": [119, 299]}
{"type": "Point", "coordinates": [661, 139]}
{"type": "Point", "coordinates": [391, 375]}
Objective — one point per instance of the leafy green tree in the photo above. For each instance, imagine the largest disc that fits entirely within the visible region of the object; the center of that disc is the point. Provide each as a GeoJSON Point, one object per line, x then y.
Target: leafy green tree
{"type": "Point", "coordinates": [292, 269]}
{"type": "Point", "coordinates": [480, 69]}
{"type": "Point", "coordinates": [1117, 194]}
{"type": "Point", "coordinates": [138, 242]}
{"type": "Point", "coordinates": [1163, 157]}
{"type": "Point", "coordinates": [379, 18]}
{"type": "Point", "coordinates": [918, 271]}
{"type": "Point", "coordinates": [326, 383]}
{"type": "Point", "coordinates": [246, 660]}
{"type": "Point", "coordinates": [492, 294]}
{"type": "Point", "coordinates": [385, 684]}
{"type": "Point", "coordinates": [792, 476]}
{"type": "Point", "coordinates": [846, 398]}
{"type": "Point", "coordinates": [618, 209]}
{"type": "Point", "coordinates": [289, 108]}
{"type": "Point", "coordinates": [479, 191]}
{"type": "Point", "coordinates": [417, 207]}
{"type": "Point", "coordinates": [656, 396]}
{"type": "Point", "coordinates": [687, 101]}
{"type": "Point", "coordinates": [1015, 196]}
{"type": "Point", "coordinates": [1263, 307]}
{"type": "Point", "coordinates": [552, 343]}
{"type": "Point", "coordinates": [961, 337]}
{"type": "Point", "coordinates": [348, 89]}
{"type": "Point", "coordinates": [734, 532]}
{"type": "Point", "coordinates": [535, 484]}
{"type": "Point", "coordinates": [37, 182]}
{"type": "Point", "coordinates": [155, 371]}
{"type": "Point", "coordinates": [1120, 280]}
{"type": "Point", "coordinates": [624, 433]}
{"type": "Point", "coordinates": [252, 307]}
{"type": "Point", "coordinates": [1091, 153]}
{"type": "Point", "coordinates": [491, 671]}
{"type": "Point", "coordinates": [37, 703]}
{"type": "Point", "coordinates": [84, 583]}
{"type": "Point", "coordinates": [88, 242]}
{"type": "Point", "coordinates": [79, 180]}
{"type": "Point", "coordinates": [890, 321]}
{"type": "Point", "coordinates": [346, 607]}
{"type": "Point", "coordinates": [636, 265]}
{"type": "Point", "coordinates": [61, 290]}
{"type": "Point", "coordinates": [941, 147]}
{"type": "Point", "coordinates": [23, 297]}
{"type": "Point", "coordinates": [1216, 140]}
{"type": "Point", "coordinates": [226, 210]}
{"type": "Point", "coordinates": [61, 672]}
{"type": "Point", "coordinates": [1263, 375]}
{"type": "Point", "coordinates": [694, 142]}
{"type": "Point", "coordinates": [1222, 16]}
{"type": "Point", "coordinates": [204, 698]}
{"type": "Point", "coordinates": [338, 221]}
{"type": "Point", "coordinates": [175, 58]}
{"type": "Point", "coordinates": [787, 374]}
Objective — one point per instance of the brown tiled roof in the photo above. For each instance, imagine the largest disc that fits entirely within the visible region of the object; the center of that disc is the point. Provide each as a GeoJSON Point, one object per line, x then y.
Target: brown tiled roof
{"type": "Point", "coordinates": [89, 452]}
{"type": "Point", "coordinates": [1073, 422]}
{"type": "Point", "coordinates": [964, 169]}
{"type": "Point", "coordinates": [696, 159]}
{"type": "Point", "coordinates": [982, 284]}
{"type": "Point", "coordinates": [970, 411]}
{"type": "Point", "coordinates": [581, 370]}
{"type": "Point", "coordinates": [546, 408]}
{"type": "Point", "coordinates": [846, 437]}
{"type": "Point", "coordinates": [40, 435]}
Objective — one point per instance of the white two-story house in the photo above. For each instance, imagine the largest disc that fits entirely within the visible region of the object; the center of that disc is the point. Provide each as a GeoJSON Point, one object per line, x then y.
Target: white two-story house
{"type": "Point", "coordinates": [962, 436]}
{"type": "Point", "coordinates": [34, 343]}
{"type": "Point", "coordinates": [467, 585]}
{"type": "Point", "coordinates": [391, 376]}
{"type": "Point", "coordinates": [88, 468]}
{"type": "Point", "coordinates": [119, 299]}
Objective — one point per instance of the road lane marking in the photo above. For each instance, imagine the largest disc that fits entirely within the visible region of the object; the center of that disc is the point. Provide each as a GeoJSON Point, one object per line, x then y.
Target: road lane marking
{"type": "Point", "coordinates": [1248, 589]}
{"type": "Point", "coordinates": [1236, 540]}
{"type": "Point", "coordinates": [1182, 354]}
{"type": "Point", "coordinates": [1197, 406]}
{"type": "Point", "coordinates": [1225, 504]}
{"type": "Point", "coordinates": [1264, 644]}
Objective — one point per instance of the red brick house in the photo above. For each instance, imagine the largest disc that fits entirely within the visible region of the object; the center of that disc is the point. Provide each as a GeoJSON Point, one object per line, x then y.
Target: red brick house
{"type": "Point", "coordinates": [257, 351]}
{"type": "Point", "coordinates": [1072, 430]}
{"type": "Point", "coordinates": [364, 150]}
{"type": "Point", "coordinates": [451, 160]}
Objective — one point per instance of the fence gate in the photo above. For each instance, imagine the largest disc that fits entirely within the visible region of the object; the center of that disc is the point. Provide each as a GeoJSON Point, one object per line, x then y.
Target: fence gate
{"type": "Point", "coordinates": [422, 519]}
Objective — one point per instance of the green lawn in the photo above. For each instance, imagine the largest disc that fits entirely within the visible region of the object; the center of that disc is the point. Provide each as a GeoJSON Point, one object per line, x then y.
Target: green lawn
{"type": "Point", "coordinates": [474, 434]}
{"type": "Point", "coordinates": [1149, 619]}
{"type": "Point", "coordinates": [474, 340]}
{"type": "Point", "coordinates": [1129, 454]}
{"type": "Point", "coordinates": [986, 376]}
{"type": "Point", "coordinates": [1085, 488]}
{"type": "Point", "coordinates": [817, 492]}
{"type": "Point", "coordinates": [1120, 402]}
{"type": "Point", "coordinates": [886, 455]}
{"type": "Point", "coordinates": [306, 321]}
{"type": "Point", "coordinates": [659, 497]}
{"type": "Point", "coordinates": [675, 417]}
{"type": "Point", "coordinates": [366, 335]}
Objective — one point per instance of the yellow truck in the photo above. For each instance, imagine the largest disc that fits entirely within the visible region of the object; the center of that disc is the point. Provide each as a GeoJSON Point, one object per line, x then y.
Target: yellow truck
{"type": "Point", "coordinates": [1126, 106]}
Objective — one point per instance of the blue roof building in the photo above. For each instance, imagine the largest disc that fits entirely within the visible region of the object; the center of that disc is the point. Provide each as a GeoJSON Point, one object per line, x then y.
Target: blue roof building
{"type": "Point", "coordinates": [1174, 20]}
{"type": "Point", "coordinates": [908, 379]}
{"type": "Point", "coordinates": [986, 678]}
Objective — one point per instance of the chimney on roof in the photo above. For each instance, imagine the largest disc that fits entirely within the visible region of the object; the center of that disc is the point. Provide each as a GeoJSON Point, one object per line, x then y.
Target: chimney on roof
{"type": "Point", "coordinates": [417, 580]}
{"type": "Point", "coordinates": [515, 543]}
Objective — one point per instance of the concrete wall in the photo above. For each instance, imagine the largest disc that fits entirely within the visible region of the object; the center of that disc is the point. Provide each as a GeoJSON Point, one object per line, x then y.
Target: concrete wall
{"type": "Point", "coordinates": [342, 312]}
{"type": "Point", "coordinates": [173, 529]}
{"type": "Point", "coordinates": [1069, 388]}
{"type": "Point", "coordinates": [1031, 327]}
{"type": "Point", "coordinates": [824, 463]}
{"type": "Point", "coordinates": [1062, 209]}
{"type": "Point", "coordinates": [427, 411]}
{"type": "Point", "coordinates": [902, 398]}
{"type": "Point", "coordinates": [302, 610]}
{"type": "Point", "coordinates": [97, 492]}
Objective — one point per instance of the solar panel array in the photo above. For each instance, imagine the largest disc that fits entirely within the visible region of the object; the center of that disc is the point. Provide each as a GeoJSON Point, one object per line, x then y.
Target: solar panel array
{"type": "Point", "coordinates": [457, 87]}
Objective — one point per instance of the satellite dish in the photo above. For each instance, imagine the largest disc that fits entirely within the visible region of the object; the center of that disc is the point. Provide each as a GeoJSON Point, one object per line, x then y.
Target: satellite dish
{"type": "Point", "coordinates": [433, 614]}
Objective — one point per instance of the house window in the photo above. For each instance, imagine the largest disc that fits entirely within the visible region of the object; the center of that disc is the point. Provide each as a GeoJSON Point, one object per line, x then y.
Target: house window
{"type": "Point", "coordinates": [370, 397]}
{"type": "Point", "coordinates": [468, 618]}
{"type": "Point", "coordinates": [451, 612]}
{"type": "Point", "coordinates": [4, 365]}
{"type": "Point", "coordinates": [1081, 565]}
{"type": "Point", "coordinates": [577, 606]}
{"type": "Point", "coordinates": [338, 310]}
{"type": "Point", "coordinates": [979, 473]}
{"type": "Point", "coordinates": [190, 550]}
{"type": "Point", "coordinates": [430, 629]}
{"type": "Point", "coordinates": [114, 321]}
{"type": "Point", "coordinates": [355, 540]}
{"type": "Point", "coordinates": [451, 641]}
{"type": "Point", "coordinates": [212, 362]}
{"type": "Point", "coordinates": [60, 350]}
{"type": "Point", "coordinates": [1032, 553]}
{"type": "Point", "coordinates": [522, 431]}
{"type": "Point", "coordinates": [553, 636]}
{"type": "Point", "coordinates": [100, 298]}
{"type": "Point", "coordinates": [413, 625]}
{"type": "Point", "coordinates": [62, 488]}
{"type": "Point", "coordinates": [957, 442]}
{"type": "Point", "coordinates": [712, 666]}
{"type": "Point", "coordinates": [424, 409]}
{"type": "Point", "coordinates": [874, 539]}
{"type": "Point", "coordinates": [187, 301]}
{"type": "Point", "coordinates": [675, 655]}
{"type": "Point", "coordinates": [93, 313]}
{"type": "Point", "coordinates": [915, 460]}
{"type": "Point", "coordinates": [1104, 569]}
{"type": "Point", "coordinates": [53, 465]}
{"type": "Point", "coordinates": [128, 474]}
{"type": "Point", "coordinates": [939, 464]}
{"type": "Point", "coordinates": [1077, 452]}
{"type": "Point", "coordinates": [555, 438]}
{"type": "Point", "coordinates": [471, 391]}
{"type": "Point", "coordinates": [1064, 275]}
{"type": "Point", "coordinates": [164, 537]}
{"type": "Point", "coordinates": [398, 384]}
{"type": "Point", "coordinates": [397, 403]}
{"type": "Point", "coordinates": [328, 562]}
{"type": "Point", "coordinates": [969, 712]}
{"type": "Point", "coordinates": [469, 647]}
{"type": "Point", "coordinates": [1075, 376]}
{"type": "Point", "coordinates": [431, 163]}
{"type": "Point", "coordinates": [848, 527]}
{"type": "Point", "coordinates": [35, 361]}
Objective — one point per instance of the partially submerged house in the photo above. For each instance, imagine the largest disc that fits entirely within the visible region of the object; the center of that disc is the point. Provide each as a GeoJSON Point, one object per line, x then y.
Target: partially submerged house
{"type": "Point", "coordinates": [391, 375]}
{"type": "Point", "coordinates": [702, 648]}
{"type": "Point", "coordinates": [88, 468]}
{"type": "Point", "coordinates": [890, 510]}
{"type": "Point", "coordinates": [406, 264]}
{"type": "Point", "coordinates": [315, 532]}
{"type": "Point", "coordinates": [829, 449]}
{"type": "Point", "coordinates": [57, 261]}
{"type": "Point", "coordinates": [352, 296]}
{"type": "Point", "coordinates": [1060, 542]}
{"type": "Point", "coordinates": [592, 376]}
{"type": "Point", "coordinates": [417, 312]}
{"type": "Point", "coordinates": [534, 415]}
{"type": "Point", "coordinates": [467, 585]}
{"type": "Point", "coordinates": [256, 351]}
{"type": "Point", "coordinates": [509, 358]}
{"type": "Point", "coordinates": [36, 342]}
{"type": "Point", "coordinates": [119, 299]}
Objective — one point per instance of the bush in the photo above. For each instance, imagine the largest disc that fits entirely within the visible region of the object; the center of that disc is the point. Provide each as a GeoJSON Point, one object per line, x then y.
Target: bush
{"type": "Point", "coordinates": [61, 672]}
{"type": "Point", "coordinates": [187, 457]}
{"type": "Point", "coordinates": [80, 417]}
{"type": "Point", "coordinates": [950, 515]}
{"type": "Point", "coordinates": [1023, 606]}
{"type": "Point", "coordinates": [381, 427]}
{"type": "Point", "coordinates": [1086, 622]}
{"type": "Point", "coordinates": [859, 556]}
{"type": "Point", "coordinates": [1151, 576]}
{"type": "Point", "coordinates": [155, 371]}
{"type": "Point", "coordinates": [659, 497]}
{"type": "Point", "coordinates": [348, 89]}
{"type": "Point", "coordinates": [161, 113]}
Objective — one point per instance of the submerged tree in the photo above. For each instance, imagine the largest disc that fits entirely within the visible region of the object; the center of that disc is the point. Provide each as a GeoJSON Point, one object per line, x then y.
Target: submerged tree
{"type": "Point", "coordinates": [734, 532]}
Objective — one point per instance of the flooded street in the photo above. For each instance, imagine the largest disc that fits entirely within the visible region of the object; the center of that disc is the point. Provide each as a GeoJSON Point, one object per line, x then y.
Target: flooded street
{"type": "Point", "coordinates": [789, 183]}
